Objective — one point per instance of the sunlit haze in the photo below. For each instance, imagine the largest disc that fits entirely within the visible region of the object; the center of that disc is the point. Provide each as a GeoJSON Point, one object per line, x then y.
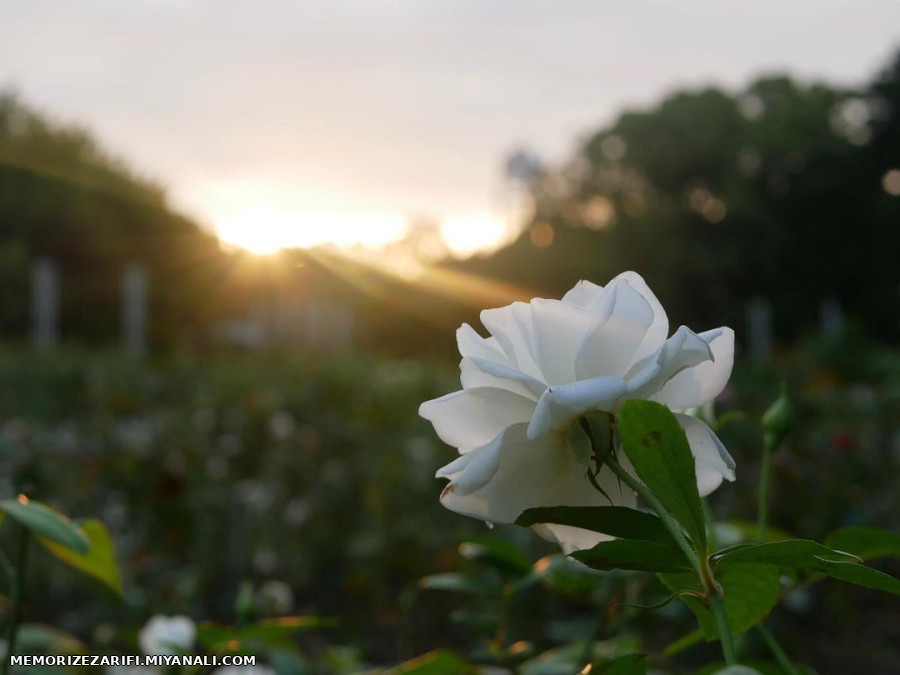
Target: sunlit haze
{"type": "Point", "coordinates": [266, 230]}
{"type": "Point", "coordinates": [468, 234]}
{"type": "Point", "coordinates": [302, 123]}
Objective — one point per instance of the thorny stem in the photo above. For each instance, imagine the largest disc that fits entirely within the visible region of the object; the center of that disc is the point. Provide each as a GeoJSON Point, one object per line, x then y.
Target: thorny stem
{"type": "Point", "coordinates": [661, 511]}
{"type": "Point", "coordinates": [713, 590]}
{"type": "Point", "coordinates": [762, 520]}
{"type": "Point", "coordinates": [718, 610]}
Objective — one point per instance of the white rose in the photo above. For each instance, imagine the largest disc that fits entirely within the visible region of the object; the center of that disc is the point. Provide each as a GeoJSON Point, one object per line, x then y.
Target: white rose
{"type": "Point", "coordinates": [165, 634]}
{"type": "Point", "coordinates": [546, 363]}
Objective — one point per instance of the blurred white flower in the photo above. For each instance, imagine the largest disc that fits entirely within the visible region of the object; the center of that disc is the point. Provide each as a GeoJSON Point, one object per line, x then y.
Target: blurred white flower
{"type": "Point", "coordinates": [265, 561]}
{"type": "Point", "coordinates": [167, 634]}
{"type": "Point", "coordinates": [548, 362]}
{"type": "Point", "coordinates": [296, 512]}
{"type": "Point", "coordinates": [282, 426]}
{"type": "Point", "coordinates": [135, 434]}
{"type": "Point", "coordinates": [274, 598]}
{"type": "Point", "coordinates": [256, 495]}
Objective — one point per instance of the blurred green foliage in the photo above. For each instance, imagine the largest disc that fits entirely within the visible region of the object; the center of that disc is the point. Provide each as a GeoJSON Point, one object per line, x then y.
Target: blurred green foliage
{"type": "Point", "coordinates": [307, 471]}
{"type": "Point", "coordinates": [308, 482]}
{"type": "Point", "coordinates": [715, 198]}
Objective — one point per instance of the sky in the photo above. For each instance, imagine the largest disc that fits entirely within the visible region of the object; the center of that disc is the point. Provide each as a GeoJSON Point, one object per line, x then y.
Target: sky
{"type": "Point", "coordinates": [296, 122]}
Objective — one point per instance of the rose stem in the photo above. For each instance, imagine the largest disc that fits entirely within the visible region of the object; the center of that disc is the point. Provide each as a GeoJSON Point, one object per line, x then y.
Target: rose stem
{"type": "Point", "coordinates": [714, 591]}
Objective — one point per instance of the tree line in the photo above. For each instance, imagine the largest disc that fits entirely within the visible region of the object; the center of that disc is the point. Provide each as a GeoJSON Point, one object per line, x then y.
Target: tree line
{"type": "Point", "coordinates": [787, 190]}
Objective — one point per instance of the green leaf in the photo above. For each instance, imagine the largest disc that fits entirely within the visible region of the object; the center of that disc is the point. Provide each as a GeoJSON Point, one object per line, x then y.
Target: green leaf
{"type": "Point", "coordinates": [809, 556]}
{"type": "Point", "coordinates": [503, 555]}
{"type": "Point", "coordinates": [860, 575]}
{"type": "Point", "coordinates": [632, 664]}
{"type": "Point", "coordinates": [867, 543]}
{"type": "Point", "coordinates": [458, 583]}
{"type": "Point", "coordinates": [99, 561]}
{"type": "Point", "coordinates": [441, 662]}
{"type": "Point", "coordinates": [598, 427]}
{"type": "Point", "coordinates": [616, 521]}
{"type": "Point", "coordinates": [579, 444]}
{"type": "Point", "coordinates": [658, 449]}
{"type": "Point", "coordinates": [46, 522]}
{"type": "Point", "coordinates": [795, 553]}
{"type": "Point", "coordinates": [626, 554]}
{"type": "Point", "coordinates": [749, 594]}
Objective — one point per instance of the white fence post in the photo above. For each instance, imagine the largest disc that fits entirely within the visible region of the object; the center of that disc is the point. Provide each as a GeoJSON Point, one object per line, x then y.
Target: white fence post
{"type": "Point", "coordinates": [134, 309]}
{"type": "Point", "coordinates": [44, 303]}
{"type": "Point", "coordinates": [759, 328]}
{"type": "Point", "coordinates": [831, 318]}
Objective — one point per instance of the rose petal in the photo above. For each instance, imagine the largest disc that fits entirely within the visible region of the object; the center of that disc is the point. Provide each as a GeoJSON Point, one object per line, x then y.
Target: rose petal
{"type": "Point", "coordinates": [658, 330]}
{"type": "Point", "coordinates": [559, 405]}
{"type": "Point", "coordinates": [522, 470]}
{"type": "Point", "coordinates": [473, 417]}
{"type": "Point", "coordinates": [610, 346]}
{"type": "Point", "coordinates": [713, 463]}
{"type": "Point", "coordinates": [590, 296]}
{"type": "Point", "coordinates": [560, 329]}
{"type": "Point", "coordinates": [471, 376]}
{"type": "Point", "coordinates": [497, 375]}
{"type": "Point", "coordinates": [700, 383]}
{"type": "Point", "coordinates": [683, 350]}
{"type": "Point", "coordinates": [470, 343]}
{"type": "Point", "coordinates": [513, 329]}
{"type": "Point", "coordinates": [472, 471]}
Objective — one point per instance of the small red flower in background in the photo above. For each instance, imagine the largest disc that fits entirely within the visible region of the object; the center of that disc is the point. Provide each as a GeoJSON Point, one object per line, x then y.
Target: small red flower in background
{"type": "Point", "coordinates": [844, 441]}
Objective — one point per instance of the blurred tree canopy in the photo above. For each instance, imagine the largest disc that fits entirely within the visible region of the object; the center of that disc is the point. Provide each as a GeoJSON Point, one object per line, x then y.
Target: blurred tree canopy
{"type": "Point", "coordinates": [783, 190]}
{"type": "Point", "coordinates": [778, 191]}
{"type": "Point", "coordinates": [62, 196]}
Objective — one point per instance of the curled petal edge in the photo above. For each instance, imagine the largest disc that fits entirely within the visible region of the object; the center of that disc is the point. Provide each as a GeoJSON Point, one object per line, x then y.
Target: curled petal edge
{"type": "Point", "coordinates": [558, 405]}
